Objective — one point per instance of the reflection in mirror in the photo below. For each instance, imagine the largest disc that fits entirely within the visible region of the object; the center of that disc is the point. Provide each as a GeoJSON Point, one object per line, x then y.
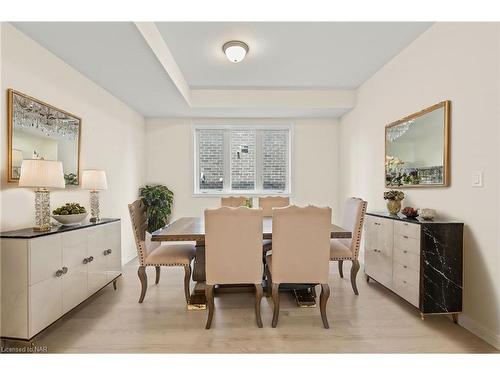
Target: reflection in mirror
{"type": "Point", "coordinates": [40, 131]}
{"type": "Point", "coordinates": [416, 149]}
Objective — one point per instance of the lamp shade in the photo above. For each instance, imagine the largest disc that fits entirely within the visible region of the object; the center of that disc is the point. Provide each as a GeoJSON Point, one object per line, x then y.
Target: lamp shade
{"type": "Point", "coordinates": [42, 174]}
{"type": "Point", "coordinates": [94, 179]}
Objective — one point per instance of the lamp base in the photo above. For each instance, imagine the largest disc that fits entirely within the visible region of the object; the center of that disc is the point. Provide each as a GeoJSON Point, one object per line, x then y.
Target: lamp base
{"type": "Point", "coordinates": [95, 219]}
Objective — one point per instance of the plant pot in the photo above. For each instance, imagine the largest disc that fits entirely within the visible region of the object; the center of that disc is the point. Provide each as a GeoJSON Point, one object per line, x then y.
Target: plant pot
{"type": "Point", "coordinates": [393, 206]}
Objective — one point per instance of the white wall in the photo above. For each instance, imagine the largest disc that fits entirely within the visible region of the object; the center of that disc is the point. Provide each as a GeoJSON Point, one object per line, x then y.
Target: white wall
{"type": "Point", "coordinates": [113, 135]}
{"type": "Point", "coordinates": [315, 167]}
{"type": "Point", "coordinates": [459, 62]}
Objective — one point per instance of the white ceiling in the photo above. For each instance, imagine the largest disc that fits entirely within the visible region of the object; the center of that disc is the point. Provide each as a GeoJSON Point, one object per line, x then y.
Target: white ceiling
{"type": "Point", "coordinates": [287, 56]}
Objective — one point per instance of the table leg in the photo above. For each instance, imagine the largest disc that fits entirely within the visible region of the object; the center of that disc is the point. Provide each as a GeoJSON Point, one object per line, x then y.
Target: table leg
{"type": "Point", "coordinates": [197, 300]}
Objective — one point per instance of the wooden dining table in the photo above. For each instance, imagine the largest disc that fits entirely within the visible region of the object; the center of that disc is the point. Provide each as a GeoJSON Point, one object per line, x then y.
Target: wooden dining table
{"type": "Point", "coordinates": [193, 229]}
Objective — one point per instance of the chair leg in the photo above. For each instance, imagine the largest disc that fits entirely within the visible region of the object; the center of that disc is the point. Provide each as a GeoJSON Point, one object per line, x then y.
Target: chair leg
{"type": "Point", "coordinates": [269, 282]}
{"type": "Point", "coordinates": [209, 293]}
{"type": "Point", "coordinates": [354, 272]}
{"type": "Point", "coordinates": [141, 272]}
{"type": "Point", "coordinates": [157, 274]}
{"type": "Point", "coordinates": [258, 298]}
{"type": "Point", "coordinates": [276, 302]}
{"type": "Point", "coordinates": [341, 270]}
{"type": "Point", "coordinates": [323, 299]}
{"type": "Point", "coordinates": [187, 279]}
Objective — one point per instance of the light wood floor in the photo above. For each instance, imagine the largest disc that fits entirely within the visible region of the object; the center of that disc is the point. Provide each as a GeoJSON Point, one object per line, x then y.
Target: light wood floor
{"type": "Point", "coordinates": [375, 321]}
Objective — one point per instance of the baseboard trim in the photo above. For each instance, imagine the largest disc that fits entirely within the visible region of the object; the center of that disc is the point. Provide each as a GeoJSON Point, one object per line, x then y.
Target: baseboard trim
{"type": "Point", "coordinates": [479, 330]}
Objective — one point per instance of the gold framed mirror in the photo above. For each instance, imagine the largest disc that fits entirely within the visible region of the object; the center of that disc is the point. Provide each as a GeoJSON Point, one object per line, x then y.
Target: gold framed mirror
{"type": "Point", "coordinates": [417, 149]}
{"type": "Point", "coordinates": [37, 130]}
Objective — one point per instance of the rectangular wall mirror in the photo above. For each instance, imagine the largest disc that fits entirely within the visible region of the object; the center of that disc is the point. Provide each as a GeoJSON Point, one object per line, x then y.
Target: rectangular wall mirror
{"type": "Point", "coordinates": [37, 130]}
{"type": "Point", "coordinates": [417, 147]}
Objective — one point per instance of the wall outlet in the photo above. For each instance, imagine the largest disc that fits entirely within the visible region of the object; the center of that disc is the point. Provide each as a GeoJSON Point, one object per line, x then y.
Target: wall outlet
{"type": "Point", "coordinates": [477, 178]}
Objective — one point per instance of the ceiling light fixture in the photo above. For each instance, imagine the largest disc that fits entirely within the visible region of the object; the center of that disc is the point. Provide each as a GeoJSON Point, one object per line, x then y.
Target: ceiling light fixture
{"type": "Point", "coordinates": [235, 50]}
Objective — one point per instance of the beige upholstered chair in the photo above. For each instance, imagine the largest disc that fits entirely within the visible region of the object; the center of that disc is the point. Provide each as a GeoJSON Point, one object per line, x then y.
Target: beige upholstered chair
{"type": "Point", "coordinates": [233, 252]}
{"type": "Point", "coordinates": [301, 249]}
{"type": "Point", "coordinates": [233, 201]}
{"type": "Point", "coordinates": [348, 249]}
{"type": "Point", "coordinates": [268, 203]}
{"type": "Point", "coordinates": [156, 254]}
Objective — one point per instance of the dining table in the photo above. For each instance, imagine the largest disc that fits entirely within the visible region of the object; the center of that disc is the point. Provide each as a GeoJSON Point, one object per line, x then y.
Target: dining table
{"type": "Point", "coordinates": [193, 229]}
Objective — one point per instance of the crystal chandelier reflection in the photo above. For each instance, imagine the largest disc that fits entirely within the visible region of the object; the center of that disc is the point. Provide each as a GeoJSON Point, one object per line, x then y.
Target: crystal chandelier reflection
{"type": "Point", "coordinates": [396, 131]}
{"type": "Point", "coordinates": [28, 114]}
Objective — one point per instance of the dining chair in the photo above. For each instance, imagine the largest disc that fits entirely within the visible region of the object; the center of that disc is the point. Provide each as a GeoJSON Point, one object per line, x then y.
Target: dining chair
{"type": "Point", "coordinates": [348, 248]}
{"type": "Point", "coordinates": [267, 204]}
{"type": "Point", "coordinates": [155, 254]}
{"type": "Point", "coordinates": [233, 201]}
{"type": "Point", "coordinates": [301, 249]}
{"type": "Point", "coordinates": [233, 252]}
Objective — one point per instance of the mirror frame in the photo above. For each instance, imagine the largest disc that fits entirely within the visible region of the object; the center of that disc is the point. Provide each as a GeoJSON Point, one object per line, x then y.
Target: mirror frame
{"type": "Point", "coordinates": [446, 104]}
{"type": "Point", "coordinates": [10, 130]}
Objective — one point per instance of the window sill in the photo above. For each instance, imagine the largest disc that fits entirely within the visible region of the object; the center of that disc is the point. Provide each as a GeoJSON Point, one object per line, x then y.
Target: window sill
{"type": "Point", "coordinates": [238, 193]}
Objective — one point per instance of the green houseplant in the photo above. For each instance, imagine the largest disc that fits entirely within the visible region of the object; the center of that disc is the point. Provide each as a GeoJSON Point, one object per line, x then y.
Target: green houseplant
{"type": "Point", "coordinates": [158, 200]}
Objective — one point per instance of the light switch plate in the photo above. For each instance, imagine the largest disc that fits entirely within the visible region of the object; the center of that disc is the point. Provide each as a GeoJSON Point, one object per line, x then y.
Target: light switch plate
{"type": "Point", "coordinates": [477, 178]}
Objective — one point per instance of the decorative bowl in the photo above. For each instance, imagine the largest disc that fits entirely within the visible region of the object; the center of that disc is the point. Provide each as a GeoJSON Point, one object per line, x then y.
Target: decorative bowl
{"type": "Point", "coordinates": [70, 219]}
{"type": "Point", "coordinates": [410, 212]}
{"type": "Point", "coordinates": [427, 213]}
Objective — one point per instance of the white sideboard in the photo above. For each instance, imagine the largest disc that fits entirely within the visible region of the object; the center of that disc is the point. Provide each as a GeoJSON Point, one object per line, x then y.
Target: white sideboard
{"type": "Point", "coordinates": [421, 261]}
{"type": "Point", "coordinates": [45, 275]}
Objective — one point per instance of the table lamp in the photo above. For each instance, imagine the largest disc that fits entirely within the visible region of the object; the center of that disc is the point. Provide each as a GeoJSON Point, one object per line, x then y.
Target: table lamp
{"type": "Point", "coordinates": [94, 180]}
{"type": "Point", "coordinates": [42, 174]}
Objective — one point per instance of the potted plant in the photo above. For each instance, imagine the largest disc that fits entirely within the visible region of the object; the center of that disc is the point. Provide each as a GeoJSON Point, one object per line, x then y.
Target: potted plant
{"type": "Point", "coordinates": [394, 198]}
{"type": "Point", "coordinates": [158, 200]}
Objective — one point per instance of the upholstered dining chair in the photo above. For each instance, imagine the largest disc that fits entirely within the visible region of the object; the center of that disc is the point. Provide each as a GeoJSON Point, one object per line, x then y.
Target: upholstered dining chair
{"type": "Point", "coordinates": [348, 249]}
{"type": "Point", "coordinates": [267, 204]}
{"type": "Point", "coordinates": [156, 254]}
{"type": "Point", "coordinates": [233, 201]}
{"type": "Point", "coordinates": [301, 249]}
{"type": "Point", "coordinates": [233, 252]}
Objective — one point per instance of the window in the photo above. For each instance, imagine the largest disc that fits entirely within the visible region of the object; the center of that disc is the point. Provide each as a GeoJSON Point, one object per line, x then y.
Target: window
{"type": "Point", "coordinates": [242, 160]}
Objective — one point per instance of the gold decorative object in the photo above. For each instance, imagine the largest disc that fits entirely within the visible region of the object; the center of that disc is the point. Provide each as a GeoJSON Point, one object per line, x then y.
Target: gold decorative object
{"type": "Point", "coordinates": [37, 130]}
{"type": "Point", "coordinates": [417, 149]}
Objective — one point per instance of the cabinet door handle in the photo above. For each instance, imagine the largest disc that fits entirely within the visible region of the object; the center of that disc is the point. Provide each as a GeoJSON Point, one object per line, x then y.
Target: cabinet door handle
{"type": "Point", "coordinates": [85, 260]}
{"type": "Point", "coordinates": [404, 281]}
{"type": "Point", "coordinates": [405, 237]}
{"type": "Point", "coordinates": [91, 258]}
{"type": "Point", "coordinates": [65, 270]}
{"type": "Point", "coordinates": [110, 251]}
{"type": "Point", "coordinates": [59, 273]}
{"type": "Point", "coordinates": [405, 266]}
{"type": "Point", "coordinates": [107, 252]}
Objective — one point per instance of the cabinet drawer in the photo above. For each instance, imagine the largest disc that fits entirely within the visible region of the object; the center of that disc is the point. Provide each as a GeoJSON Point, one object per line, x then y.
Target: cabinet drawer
{"type": "Point", "coordinates": [405, 273]}
{"type": "Point", "coordinates": [407, 291]}
{"type": "Point", "coordinates": [407, 243]}
{"type": "Point", "coordinates": [407, 229]}
{"type": "Point", "coordinates": [407, 258]}
{"type": "Point", "coordinates": [45, 258]}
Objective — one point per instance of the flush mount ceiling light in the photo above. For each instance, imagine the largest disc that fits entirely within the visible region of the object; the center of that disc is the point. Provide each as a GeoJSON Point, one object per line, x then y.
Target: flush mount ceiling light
{"type": "Point", "coordinates": [235, 50]}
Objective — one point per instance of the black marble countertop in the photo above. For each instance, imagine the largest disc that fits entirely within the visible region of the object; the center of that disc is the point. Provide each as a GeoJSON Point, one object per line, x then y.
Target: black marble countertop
{"type": "Point", "coordinates": [27, 233]}
{"type": "Point", "coordinates": [417, 220]}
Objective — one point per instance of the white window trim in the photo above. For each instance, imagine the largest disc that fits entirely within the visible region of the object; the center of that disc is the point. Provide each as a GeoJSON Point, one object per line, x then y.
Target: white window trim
{"type": "Point", "coordinates": [249, 193]}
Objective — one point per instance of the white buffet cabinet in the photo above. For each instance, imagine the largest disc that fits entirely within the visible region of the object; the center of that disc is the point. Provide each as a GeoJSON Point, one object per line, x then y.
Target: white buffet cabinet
{"type": "Point", "coordinates": [45, 275]}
